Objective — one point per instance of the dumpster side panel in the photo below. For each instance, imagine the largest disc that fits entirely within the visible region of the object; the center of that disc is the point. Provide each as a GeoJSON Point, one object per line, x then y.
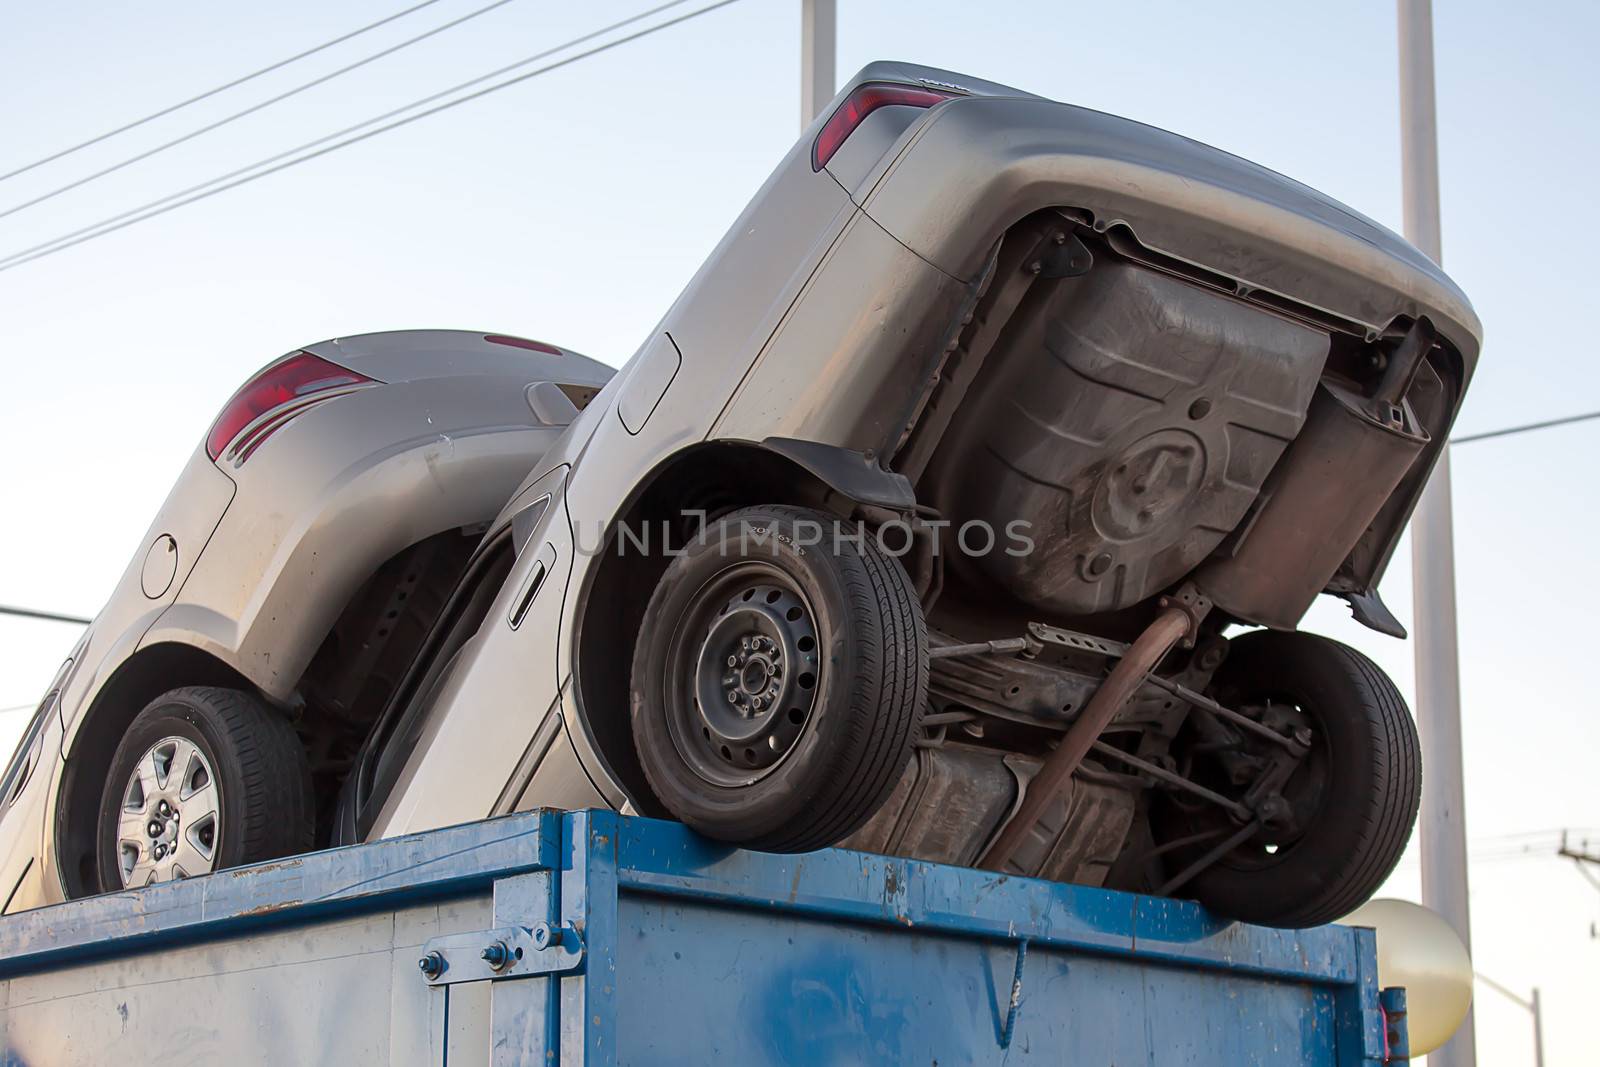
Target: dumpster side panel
{"type": "Point", "coordinates": [637, 942]}
{"type": "Point", "coordinates": [791, 990]}
{"type": "Point", "coordinates": [341, 991]}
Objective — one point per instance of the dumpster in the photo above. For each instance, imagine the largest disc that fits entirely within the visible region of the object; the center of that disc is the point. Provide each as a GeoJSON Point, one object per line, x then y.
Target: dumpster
{"type": "Point", "coordinates": [588, 938]}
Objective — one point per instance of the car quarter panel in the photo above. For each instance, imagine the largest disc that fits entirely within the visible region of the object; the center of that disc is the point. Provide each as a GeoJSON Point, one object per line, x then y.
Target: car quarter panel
{"type": "Point", "coordinates": [176, 538]}
{"type": "Point", "coordinates": [721, 323]}
{"type": "Point", "coordinates": [847, 364]}
{"type": "Point", "coordinates": [974, 167]}
{"type": "Point", "coordinates": [338, 490]}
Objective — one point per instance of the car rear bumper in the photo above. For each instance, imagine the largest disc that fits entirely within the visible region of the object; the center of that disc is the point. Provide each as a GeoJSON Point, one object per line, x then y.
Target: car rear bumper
{"type": "Point", "coordinates": [976, 166]}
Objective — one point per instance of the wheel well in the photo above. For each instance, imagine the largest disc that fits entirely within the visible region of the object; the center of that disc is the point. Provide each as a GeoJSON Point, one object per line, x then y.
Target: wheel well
{"type": "Point", "coordinates": [714, 479]}
{"type": "Point", "coordinates": [145, 675]}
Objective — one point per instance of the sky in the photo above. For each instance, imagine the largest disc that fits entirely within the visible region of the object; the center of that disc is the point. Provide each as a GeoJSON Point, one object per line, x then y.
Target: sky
{"type": "Point", "coordinates": [575, 206]}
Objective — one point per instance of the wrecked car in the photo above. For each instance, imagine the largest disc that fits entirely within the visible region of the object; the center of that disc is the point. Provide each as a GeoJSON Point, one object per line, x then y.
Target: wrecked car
{"type": "Point", "coordinates": [964, 507]}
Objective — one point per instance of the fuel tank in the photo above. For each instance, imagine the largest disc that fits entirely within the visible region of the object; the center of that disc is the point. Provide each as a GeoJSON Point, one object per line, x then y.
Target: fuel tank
{"type": "Point", "coordinates": [1129, 418]}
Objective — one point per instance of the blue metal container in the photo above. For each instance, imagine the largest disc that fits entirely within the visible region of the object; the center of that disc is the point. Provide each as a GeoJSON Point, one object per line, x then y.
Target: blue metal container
{"type": "Point", "coordinates": [587, 938]}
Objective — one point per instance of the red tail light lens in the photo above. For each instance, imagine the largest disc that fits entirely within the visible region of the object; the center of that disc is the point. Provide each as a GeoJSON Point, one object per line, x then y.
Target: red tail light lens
{"type": "Point", "coordinates": [861, 103]}
{"type": "Point", "coordinates": [282, 383]}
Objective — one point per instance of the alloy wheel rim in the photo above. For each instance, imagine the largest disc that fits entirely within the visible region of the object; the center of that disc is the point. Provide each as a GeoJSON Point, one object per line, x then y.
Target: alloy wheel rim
{"type": "Point", "coordinates": [169, 825]}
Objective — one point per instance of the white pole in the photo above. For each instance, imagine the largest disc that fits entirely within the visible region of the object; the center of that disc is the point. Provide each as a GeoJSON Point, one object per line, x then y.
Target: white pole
{"type": "Point", "coordinates": [1443, 818]}
{"type": "Point", "coordinates": [818, 19]}
{"type": "Point", "coordinates": [1538, 1029]}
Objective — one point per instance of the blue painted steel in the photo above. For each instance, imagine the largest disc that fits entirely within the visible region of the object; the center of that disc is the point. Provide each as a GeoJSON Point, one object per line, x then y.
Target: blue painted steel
{"type": "Point", "coordinates": [384, 875]}
{"type": "Point", "coordinates": [696, 953]}
{"type": "Point", "coordinates": [1397, 1041]}
{"type": "Point", "coordinates": [836, 957]}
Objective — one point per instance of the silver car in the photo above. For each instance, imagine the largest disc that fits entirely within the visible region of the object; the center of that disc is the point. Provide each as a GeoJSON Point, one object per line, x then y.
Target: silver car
{"type": "Point", "coordinates": [963, 507]}
{"type": "Point", "coordinates": [293, 570]}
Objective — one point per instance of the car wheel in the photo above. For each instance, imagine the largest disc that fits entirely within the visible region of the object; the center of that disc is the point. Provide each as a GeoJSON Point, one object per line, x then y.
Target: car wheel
{"type": "Point", "coordinates": [204, 779]}
{"type": "Point", "coordinates": [778, 680]}
{"type": "Point", "coordinates": [1351, 803]}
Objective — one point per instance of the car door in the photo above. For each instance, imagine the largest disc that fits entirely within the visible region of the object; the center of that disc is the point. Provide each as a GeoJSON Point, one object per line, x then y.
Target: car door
{"type": "Point", "coordinates": [496, 700]}
{"type": "Point", "coordinates": [24, 790]}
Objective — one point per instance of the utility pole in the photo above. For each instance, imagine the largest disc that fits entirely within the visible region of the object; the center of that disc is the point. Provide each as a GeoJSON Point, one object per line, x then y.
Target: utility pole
{"type": "Point", "coordinates": [1531, 1006]}
{"type": "Point", "coordinates": [1579, 853]}
{"type": "Point", "coordinates": [818, 22]}
{"type": "Point", "coordinates": [1583, 858]}
{"type": "Point", "coordinates": [1433, 579]}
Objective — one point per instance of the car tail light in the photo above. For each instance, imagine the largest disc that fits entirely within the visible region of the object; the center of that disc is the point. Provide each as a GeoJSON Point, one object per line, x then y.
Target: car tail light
{"type": "Point", "coordinates": [858, 105]}
{"type": "Point", "coordinates": [285, 386]}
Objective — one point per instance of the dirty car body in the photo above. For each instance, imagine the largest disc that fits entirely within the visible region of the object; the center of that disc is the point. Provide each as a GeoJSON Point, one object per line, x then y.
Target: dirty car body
{"type": "Point", "coordinates": [955, 302]}
{"type": "Point", "coordinates": [346, 480]}
{"type": "Point", "coordinates": [1194, 388]}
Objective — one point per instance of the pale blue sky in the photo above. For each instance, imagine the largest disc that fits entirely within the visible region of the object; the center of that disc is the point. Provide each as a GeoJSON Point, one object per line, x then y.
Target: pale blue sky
{"type": "Point", "coordinates": [574, 207]}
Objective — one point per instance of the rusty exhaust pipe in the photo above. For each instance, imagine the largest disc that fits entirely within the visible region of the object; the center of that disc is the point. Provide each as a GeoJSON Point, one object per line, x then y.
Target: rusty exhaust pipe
{"type": "Point", "coordinates": [1055, 775]}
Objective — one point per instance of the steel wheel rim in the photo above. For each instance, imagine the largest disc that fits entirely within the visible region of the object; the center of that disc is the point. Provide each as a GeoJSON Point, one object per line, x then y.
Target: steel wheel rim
{"type": "Point", "coordinates": [169, 823]}
{"type": "Point", "coordinates": [744, 674]}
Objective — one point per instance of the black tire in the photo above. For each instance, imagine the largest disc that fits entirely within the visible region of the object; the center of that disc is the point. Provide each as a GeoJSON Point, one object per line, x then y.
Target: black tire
{"type": "Point", "coordinates": [264, 806]}
{"type": "Point", "coordinates": [1355, 797]}
{"type": "Point", "coordinates": [825, 753]}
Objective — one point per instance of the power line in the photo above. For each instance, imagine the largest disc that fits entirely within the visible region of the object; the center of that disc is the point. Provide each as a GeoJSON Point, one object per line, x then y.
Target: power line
{"type": "Point", "coordinates": [251, 110]}
{"type": "Point", "coordinates": [280, 64]}
{"type": "Point", "coordinates": [223, 183]}
{"type": "Point", "coordinates": [1519, 845]}
{"type": "Point", "coordinates": [47, 616]}
{"type": "Point", "coordinates": [20, 707]}
{"type": "Point", "coordinates": [66, 240]}
{"type": "Point", "coordinates": [1508, 431]}
{"type": "Point", "coordinates": [1519, 835]}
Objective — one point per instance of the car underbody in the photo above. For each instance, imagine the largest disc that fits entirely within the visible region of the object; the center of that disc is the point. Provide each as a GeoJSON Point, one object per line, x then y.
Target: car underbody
{"type": "Point", "coordinates": [1166, 440]}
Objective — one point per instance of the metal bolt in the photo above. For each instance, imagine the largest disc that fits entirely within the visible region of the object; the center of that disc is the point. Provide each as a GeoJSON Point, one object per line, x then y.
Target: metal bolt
{"type": "Point", "coordinates": [733, 661]}
{"type": "Point", "coordinates": [496, 955]}
{"type": "Point", "coordinates": [431, 965]}
{"type": "Point", "coordinates": [163, 809]}
{"type": "Point", "coordinates": [1274, 808]}
{"type": "Point", "coordinates": [1035, 267]}
{"type": "Point", "coordinates": [154, 828]}
{"type": "Point", "coordinates": [547, 936]}
{"type": "Point", "coordinates": [1303, 735]}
